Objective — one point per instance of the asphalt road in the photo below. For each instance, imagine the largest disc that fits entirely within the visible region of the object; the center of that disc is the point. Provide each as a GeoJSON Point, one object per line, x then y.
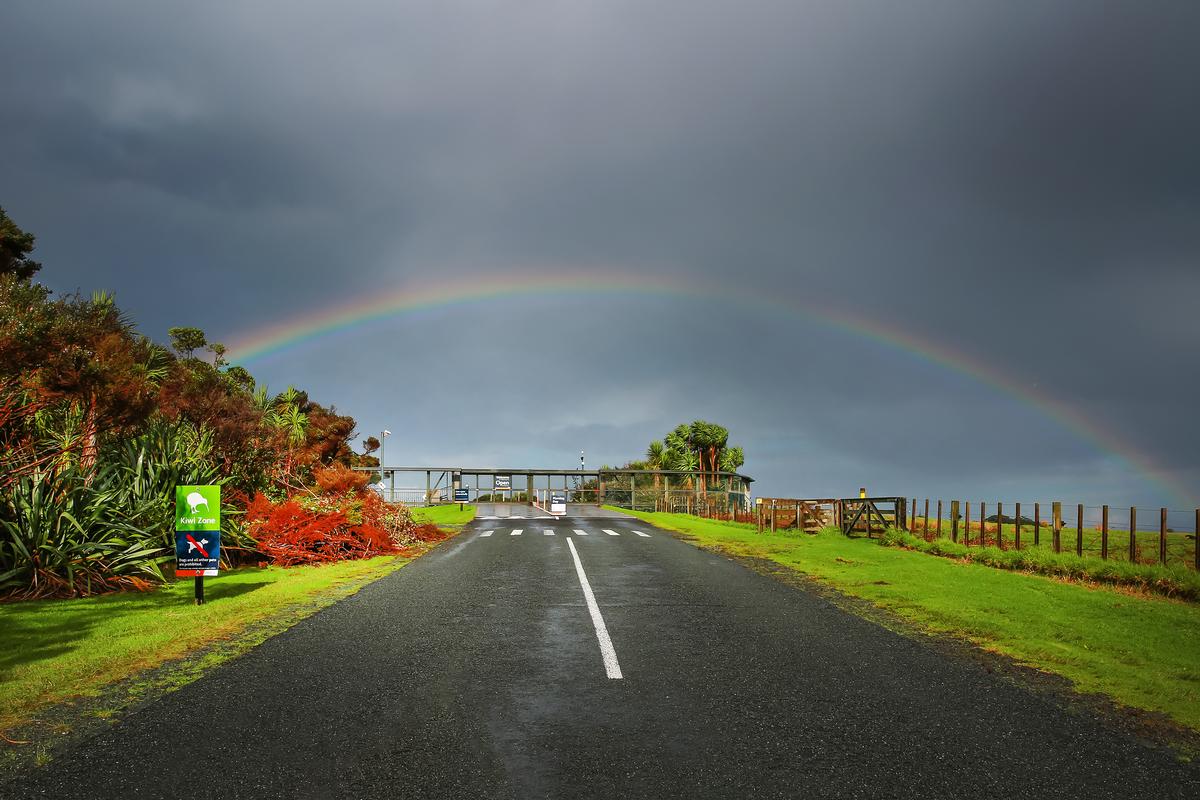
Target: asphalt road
{"type": "Point", "coordinates": [478, 671]}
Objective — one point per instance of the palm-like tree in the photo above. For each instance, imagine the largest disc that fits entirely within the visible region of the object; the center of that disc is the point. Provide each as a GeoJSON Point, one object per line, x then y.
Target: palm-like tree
{"type": "Point", "coordinates": [731, 461]}
{"type": "Point", "coordinates": [287, 417]}
{"type": "Point", "coordinates": [700, 449]}
{"type": "Point", "coordinates": [654, 461]}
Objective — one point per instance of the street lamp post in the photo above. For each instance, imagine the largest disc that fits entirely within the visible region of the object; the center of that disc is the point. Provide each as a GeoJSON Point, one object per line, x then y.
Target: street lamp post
{"type": "Point", "coordinates": [382, 439]}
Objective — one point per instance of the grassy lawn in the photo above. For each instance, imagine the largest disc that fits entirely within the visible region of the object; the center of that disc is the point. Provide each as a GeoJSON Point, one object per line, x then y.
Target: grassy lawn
{"type": "Point", "coordinates": [447, 516]}
{"type": "Point", "coordinates": [58, 650]}
{"type": "Point", "coordinates": [1141, 651]}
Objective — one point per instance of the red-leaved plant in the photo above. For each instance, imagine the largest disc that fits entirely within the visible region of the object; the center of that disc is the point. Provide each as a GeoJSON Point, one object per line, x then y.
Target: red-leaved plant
{"type": "Point", "coordinates": [289, 533]}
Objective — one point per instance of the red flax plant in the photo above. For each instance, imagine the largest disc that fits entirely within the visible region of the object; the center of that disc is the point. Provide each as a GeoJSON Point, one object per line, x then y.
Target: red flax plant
{"type": "Point", "coordinates": [290, 533]}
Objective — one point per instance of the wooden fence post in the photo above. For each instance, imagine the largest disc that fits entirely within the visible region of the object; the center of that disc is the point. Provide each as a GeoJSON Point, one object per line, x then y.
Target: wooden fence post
{"type": "Point", "coordinates": [1133, 534]}
{"type": "Point", "coordinates": [1103, 533]}
{"type": "Point", "coordinates": [759, 516]}
{"type": "Point", "coordinates": [982, 524]}
{"type": "Point", "coordinates": [925, 521]}
{"type": "Point", "coordinates": [1079, 531]}
{"type": "Point", "coordinates": [1196, 540]}
{"type": "Point", "coordinates": [800, 518]}
{"type": "Point", "coordinates": [1162, 536]}
{"type": "Point", "coordinates": [1037, 524]}
{"type": "Point", "coordinates": [772, 516]}
{"type": "Point", "coordinates": [912, 521]}
{"type": "Point", "coordinates": [1000, 525]}
{"type": "Point", "coordinates": [1056, 508]}
{"type": "Point", "coordinates": [953, 520]}
{"type": "Point", "coordinates": [967, 524]}
{"type": "Point", "coordinates": [1017, 532]}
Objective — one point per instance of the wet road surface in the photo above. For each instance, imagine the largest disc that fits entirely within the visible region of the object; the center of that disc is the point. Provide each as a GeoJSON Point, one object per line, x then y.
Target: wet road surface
{"type": "Point", "coordinates": [595, 656]}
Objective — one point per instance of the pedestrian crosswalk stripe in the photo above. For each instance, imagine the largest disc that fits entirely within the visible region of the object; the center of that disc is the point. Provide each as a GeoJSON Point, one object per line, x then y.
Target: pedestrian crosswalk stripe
{"type": "Point", "coordinates": [576, 531]}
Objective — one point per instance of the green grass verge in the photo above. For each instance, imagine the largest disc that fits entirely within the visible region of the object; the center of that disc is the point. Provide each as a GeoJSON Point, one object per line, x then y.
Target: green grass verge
{"type": "Point", "coordinates": [1173, 580]}
{"type": "Point", "coordinates": [447, 516]}
{"type": "Point", "coordinates": [59, 650]}
{"type": "Point", "coordinates": [1181, 546]}
{"type": "Point", "coordinates": [1141, 651]}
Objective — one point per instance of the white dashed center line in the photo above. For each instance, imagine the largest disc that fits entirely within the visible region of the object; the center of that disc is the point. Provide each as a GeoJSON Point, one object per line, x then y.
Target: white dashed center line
{"type": "Point", "coordinates": [517, 532]}
{"type": "Point", "coordinates": [639, 533]}
{"type": "Point", "coordinates": [580, 533]}
{"type": "Point", "coordinates": [486, 533]}
{"type": "Point", "coordinates": [610, 533]}
{"type": "Point", "coordinates": [548, 532]}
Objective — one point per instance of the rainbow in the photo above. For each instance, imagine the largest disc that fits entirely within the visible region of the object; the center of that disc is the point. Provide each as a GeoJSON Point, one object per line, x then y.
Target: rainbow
{"type": "Point", "coordinates": [311, 325]}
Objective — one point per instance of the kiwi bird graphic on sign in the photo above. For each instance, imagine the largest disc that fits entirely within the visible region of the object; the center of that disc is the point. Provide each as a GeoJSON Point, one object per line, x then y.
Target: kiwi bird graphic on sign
{"type": "Point", "coordinates": [195, 500]}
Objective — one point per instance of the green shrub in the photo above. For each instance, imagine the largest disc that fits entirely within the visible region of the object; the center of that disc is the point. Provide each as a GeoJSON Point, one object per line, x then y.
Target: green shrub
{"type": "Point", "coordinates": [1173, 580]}
{"type": "Point", "coordinates": [62, 535]}
{"type": "Point", "coordinates": [67, 532]}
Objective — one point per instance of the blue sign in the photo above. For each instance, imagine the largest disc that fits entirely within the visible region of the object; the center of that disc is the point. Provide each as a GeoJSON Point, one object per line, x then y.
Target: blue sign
{"type": "Point", "coordinates": [197, 553]}
{"type": "Point", "coordinates": [462, 495]}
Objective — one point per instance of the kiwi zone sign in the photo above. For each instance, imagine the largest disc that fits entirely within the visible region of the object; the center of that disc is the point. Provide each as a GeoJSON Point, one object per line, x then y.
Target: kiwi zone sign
{"type": "Point", "coordinates": [197, 530]}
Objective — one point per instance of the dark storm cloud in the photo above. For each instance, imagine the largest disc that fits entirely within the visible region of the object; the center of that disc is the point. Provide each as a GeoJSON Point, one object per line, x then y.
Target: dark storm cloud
{"type": "Point", "coordinates": [1018, 180]}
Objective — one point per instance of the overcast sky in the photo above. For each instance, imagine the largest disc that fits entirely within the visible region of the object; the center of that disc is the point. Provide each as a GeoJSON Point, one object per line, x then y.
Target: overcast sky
{"type": "Point", "coordinates": [1019, 181]}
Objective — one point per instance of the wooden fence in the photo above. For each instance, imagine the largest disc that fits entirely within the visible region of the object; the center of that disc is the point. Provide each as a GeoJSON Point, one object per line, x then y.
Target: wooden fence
{"type": "Point", "coordinates": [1102, 539]}
{"type": "Point", "coordinates": [1112, 536]}
{"type": "Point", "coordinates": [868, 515]}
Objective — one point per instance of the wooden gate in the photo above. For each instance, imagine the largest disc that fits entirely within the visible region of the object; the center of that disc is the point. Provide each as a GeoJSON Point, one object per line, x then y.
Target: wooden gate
{"type": "Point", "coordinates": [873, 514]}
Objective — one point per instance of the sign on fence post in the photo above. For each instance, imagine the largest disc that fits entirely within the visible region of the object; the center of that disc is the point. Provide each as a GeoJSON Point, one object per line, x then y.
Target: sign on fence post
{"type": "Point", "coordinates": [197, 534]}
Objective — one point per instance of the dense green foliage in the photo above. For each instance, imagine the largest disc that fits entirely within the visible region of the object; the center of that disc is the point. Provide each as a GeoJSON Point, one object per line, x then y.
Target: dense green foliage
{"type": "Point", "coordinates": [98, 424]}
{"type": "Point", "coordinates": [700, 450]}
{"type": "Point", "coordinates": [15, 246]}
{"type": "Point", "coordinates": [701, 447]}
